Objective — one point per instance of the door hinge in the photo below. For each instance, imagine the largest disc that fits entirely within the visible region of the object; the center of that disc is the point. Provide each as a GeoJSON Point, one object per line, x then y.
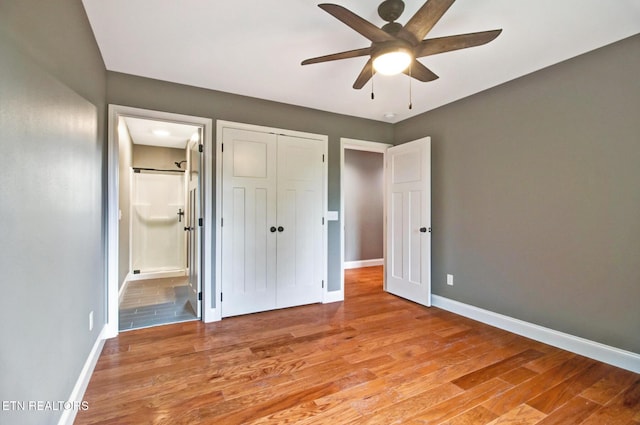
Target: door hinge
{"type": "Point", "coordinates": [220, 296]}
{"type": "Point", "coordinates": [322, 157]}
{"type": "Point", "coordinates": [323, 221]}
{"type": "Point", "coordinates": [222, 147]}
{"type": "Point", "coordinates": [221, 221]}
{"type": "Point", "coordinates": [323, 284]}
{"type": "Point", "coordinates": [199, 296]}
{"type": "Point", "coordinates": [136, 272]}
{"type": "Point", "coordinates": [200, 222]}
{"type": "Point", "coordinates": [200, 148]}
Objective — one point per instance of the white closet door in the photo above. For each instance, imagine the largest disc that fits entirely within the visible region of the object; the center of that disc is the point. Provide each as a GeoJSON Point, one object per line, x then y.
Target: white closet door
{"type": "Point", "coordinates": [249, 211]}
{"type": "Point", "coordinates": [300, 228]}
{"type": "Point", "coordinates": [408, 267]}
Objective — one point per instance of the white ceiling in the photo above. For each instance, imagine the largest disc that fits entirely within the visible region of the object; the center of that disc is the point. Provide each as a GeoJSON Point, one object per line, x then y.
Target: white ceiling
{"type": "Point", "coordinates": [142, 132]}
{"type": "Point", "coordinates": [254, 48]}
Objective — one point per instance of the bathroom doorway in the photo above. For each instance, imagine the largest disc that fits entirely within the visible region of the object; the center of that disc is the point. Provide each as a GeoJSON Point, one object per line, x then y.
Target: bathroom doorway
{"type": "Point", "coordinates": [157, 171]}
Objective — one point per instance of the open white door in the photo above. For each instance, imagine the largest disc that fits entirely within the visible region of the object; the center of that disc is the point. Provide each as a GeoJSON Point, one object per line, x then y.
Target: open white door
{"type": "Point", "coordinates": [193, 228]}
{"type": "Point", "coordinates": [408, 265]}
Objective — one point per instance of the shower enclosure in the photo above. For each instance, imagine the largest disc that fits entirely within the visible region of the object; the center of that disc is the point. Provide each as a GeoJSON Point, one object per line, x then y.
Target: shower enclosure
{"type": "Point", "coordinates": [157, 223]}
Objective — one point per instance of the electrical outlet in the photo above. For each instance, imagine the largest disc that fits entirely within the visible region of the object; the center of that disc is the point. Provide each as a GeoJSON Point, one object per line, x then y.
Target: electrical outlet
{"type": "Point", "coordinates": [91, 320]}
{"type": "Point", "coordinates": [450, 279]}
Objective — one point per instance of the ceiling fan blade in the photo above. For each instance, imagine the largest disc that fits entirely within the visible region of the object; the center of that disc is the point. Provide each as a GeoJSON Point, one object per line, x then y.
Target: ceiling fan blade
{"type": "Point", "coordinates": [434, 46]}
{"type": "Point", "coordinates": [420, 72]}
{"type": "Point", "coordinates": [426, 17]}
{"type": "Point", "coordinates": [337, 56]}
{"type": "Point", "coordinates": [365, 75]}
{"type": "Point", "coordinates": [354, 21]}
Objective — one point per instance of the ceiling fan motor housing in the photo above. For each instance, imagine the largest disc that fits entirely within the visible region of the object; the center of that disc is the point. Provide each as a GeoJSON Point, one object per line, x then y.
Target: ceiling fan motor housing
{"type": "Point", "coordinates": [390, 10]}
{"type": "Point", "coordinates": [381, 48]}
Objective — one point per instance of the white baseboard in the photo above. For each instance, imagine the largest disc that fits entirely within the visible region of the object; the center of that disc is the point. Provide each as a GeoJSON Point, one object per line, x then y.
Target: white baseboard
{"type": "Point", "coordinates": [123, 287]}
{"type": "Point", "coordinates": [157, 275]}
{"type": "Point", "coordinates": [594, 350]}
{"type": "Point", "coordinates": [363, 263]}
{"type": "Point", "coordinates": [333, 297]}
{"type": "Point", "coordinates": [69, 415]}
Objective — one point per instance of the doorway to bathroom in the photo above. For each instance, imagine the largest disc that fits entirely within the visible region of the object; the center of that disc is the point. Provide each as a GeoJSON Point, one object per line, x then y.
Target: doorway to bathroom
{"type": "Point", "coordinates": [159, 210]}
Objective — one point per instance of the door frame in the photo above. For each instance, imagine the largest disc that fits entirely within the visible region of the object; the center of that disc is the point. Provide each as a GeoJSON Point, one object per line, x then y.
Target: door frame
{"type": "Point", "coordinates": [220, 125]}
{"type": "Point", "coordinates": [114, 114]}
{"type": "Point", "coordinates": [366, 146]}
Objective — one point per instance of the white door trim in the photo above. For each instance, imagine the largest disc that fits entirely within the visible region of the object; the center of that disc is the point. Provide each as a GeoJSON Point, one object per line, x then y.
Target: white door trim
{"type": "Point", "coordinates": [360, 145]}
{"type": "Point", "coordinates": [220, 125]}
{"type": "Point", "coordinates": [115, 112]}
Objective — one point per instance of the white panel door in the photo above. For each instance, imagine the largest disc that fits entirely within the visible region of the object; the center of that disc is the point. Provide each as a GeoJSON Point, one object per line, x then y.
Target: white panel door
{"type": "Point", "coordinates": [193, 228]}
{"type": "Point", "coordinates": [408, 269]}
{"type": "Point", "coordinates": [249, 222]}
{"type": "Point", "coordinates": [300, 226]}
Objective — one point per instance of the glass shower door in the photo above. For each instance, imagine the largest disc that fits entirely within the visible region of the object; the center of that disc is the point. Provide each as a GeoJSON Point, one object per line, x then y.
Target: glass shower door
{"type": "Point", "coordinates": [157, 225]}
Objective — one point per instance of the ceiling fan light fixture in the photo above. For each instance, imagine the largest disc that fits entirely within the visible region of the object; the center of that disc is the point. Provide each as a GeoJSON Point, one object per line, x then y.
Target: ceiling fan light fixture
{"type": "Point", "coordinates": [392, 62]}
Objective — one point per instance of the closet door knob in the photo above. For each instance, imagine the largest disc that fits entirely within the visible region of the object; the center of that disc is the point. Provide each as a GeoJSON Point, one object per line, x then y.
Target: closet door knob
{"type": "Point", "coordinates": [423, 229]}
{"type": "Point", "coordinates": [280, 229]}
{"type": "Point", "coordinates": [273, 229]}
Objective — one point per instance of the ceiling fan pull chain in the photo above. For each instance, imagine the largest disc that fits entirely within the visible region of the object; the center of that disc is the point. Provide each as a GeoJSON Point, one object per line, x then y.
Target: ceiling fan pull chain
{"type": "Point", "coordinates": [372, 73]}
{"type": "Point", "coordinates": [410, 78]}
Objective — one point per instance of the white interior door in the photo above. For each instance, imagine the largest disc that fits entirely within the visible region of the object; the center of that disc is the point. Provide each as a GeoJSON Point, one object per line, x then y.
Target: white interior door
{"type": "Point", "coordinates": [249, 222]}
{"type": "Point", "coordinates": [300, 222]}
{"type": "Point", "coordinates": [192, 226]}
{"type": "Point", "coordinates": [408, 268]}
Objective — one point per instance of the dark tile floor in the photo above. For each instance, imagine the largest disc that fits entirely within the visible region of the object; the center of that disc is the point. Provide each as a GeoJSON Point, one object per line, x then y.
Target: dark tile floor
{"type": "Point", "coordinates": [155, 302]}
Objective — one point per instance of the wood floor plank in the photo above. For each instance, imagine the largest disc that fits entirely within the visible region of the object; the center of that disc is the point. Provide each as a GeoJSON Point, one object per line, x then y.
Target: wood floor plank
{"type": "Point", "coordinates": [533, 387]}
{"type": "Point", "coordinates": [476, 416]}
{"type": "Point", "coordinates": [398, 412]}
{"type": "Point", "coordinates": [574, 412]}
{"type": "Point", "coordinates": [559, 394]}
{"type": "Point", "coordinates": [518, 375]}
{"type": "Point", "coordinates": [620, 410]}
{"type": "Point", "coordinates": [374, 358]}
{"type": "Point", "coordinates": [466, 400]}
{"type": "Point", "coordinates": [610, 386]}
{"type": "Point", "coordinates": [520, 415]}
{"type": "Point", "coordinates": [496, 369]}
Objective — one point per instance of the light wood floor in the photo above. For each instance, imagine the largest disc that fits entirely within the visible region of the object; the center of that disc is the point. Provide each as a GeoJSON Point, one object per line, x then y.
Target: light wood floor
{"type": "Point", "coordinates": [374, 359]}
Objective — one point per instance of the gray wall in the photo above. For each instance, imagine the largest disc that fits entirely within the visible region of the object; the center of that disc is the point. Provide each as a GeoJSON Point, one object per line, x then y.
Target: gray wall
{"type": "Point", "coordinates": [536, 196]}
{"type": "Point", "coordinates": [363, 205]}
{"type": "Point", "coordinates": [125, 156]}
{"type": "Point", "coordinates": [147, 93]}
{"type": "Point", "coordinates": [52, 110]}
{"type": "Point", "coordinates": [158, 157]}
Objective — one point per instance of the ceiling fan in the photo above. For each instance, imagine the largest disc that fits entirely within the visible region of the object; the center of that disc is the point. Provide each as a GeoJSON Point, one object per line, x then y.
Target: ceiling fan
{"type": "Point", "coordinates": [394, 47]}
